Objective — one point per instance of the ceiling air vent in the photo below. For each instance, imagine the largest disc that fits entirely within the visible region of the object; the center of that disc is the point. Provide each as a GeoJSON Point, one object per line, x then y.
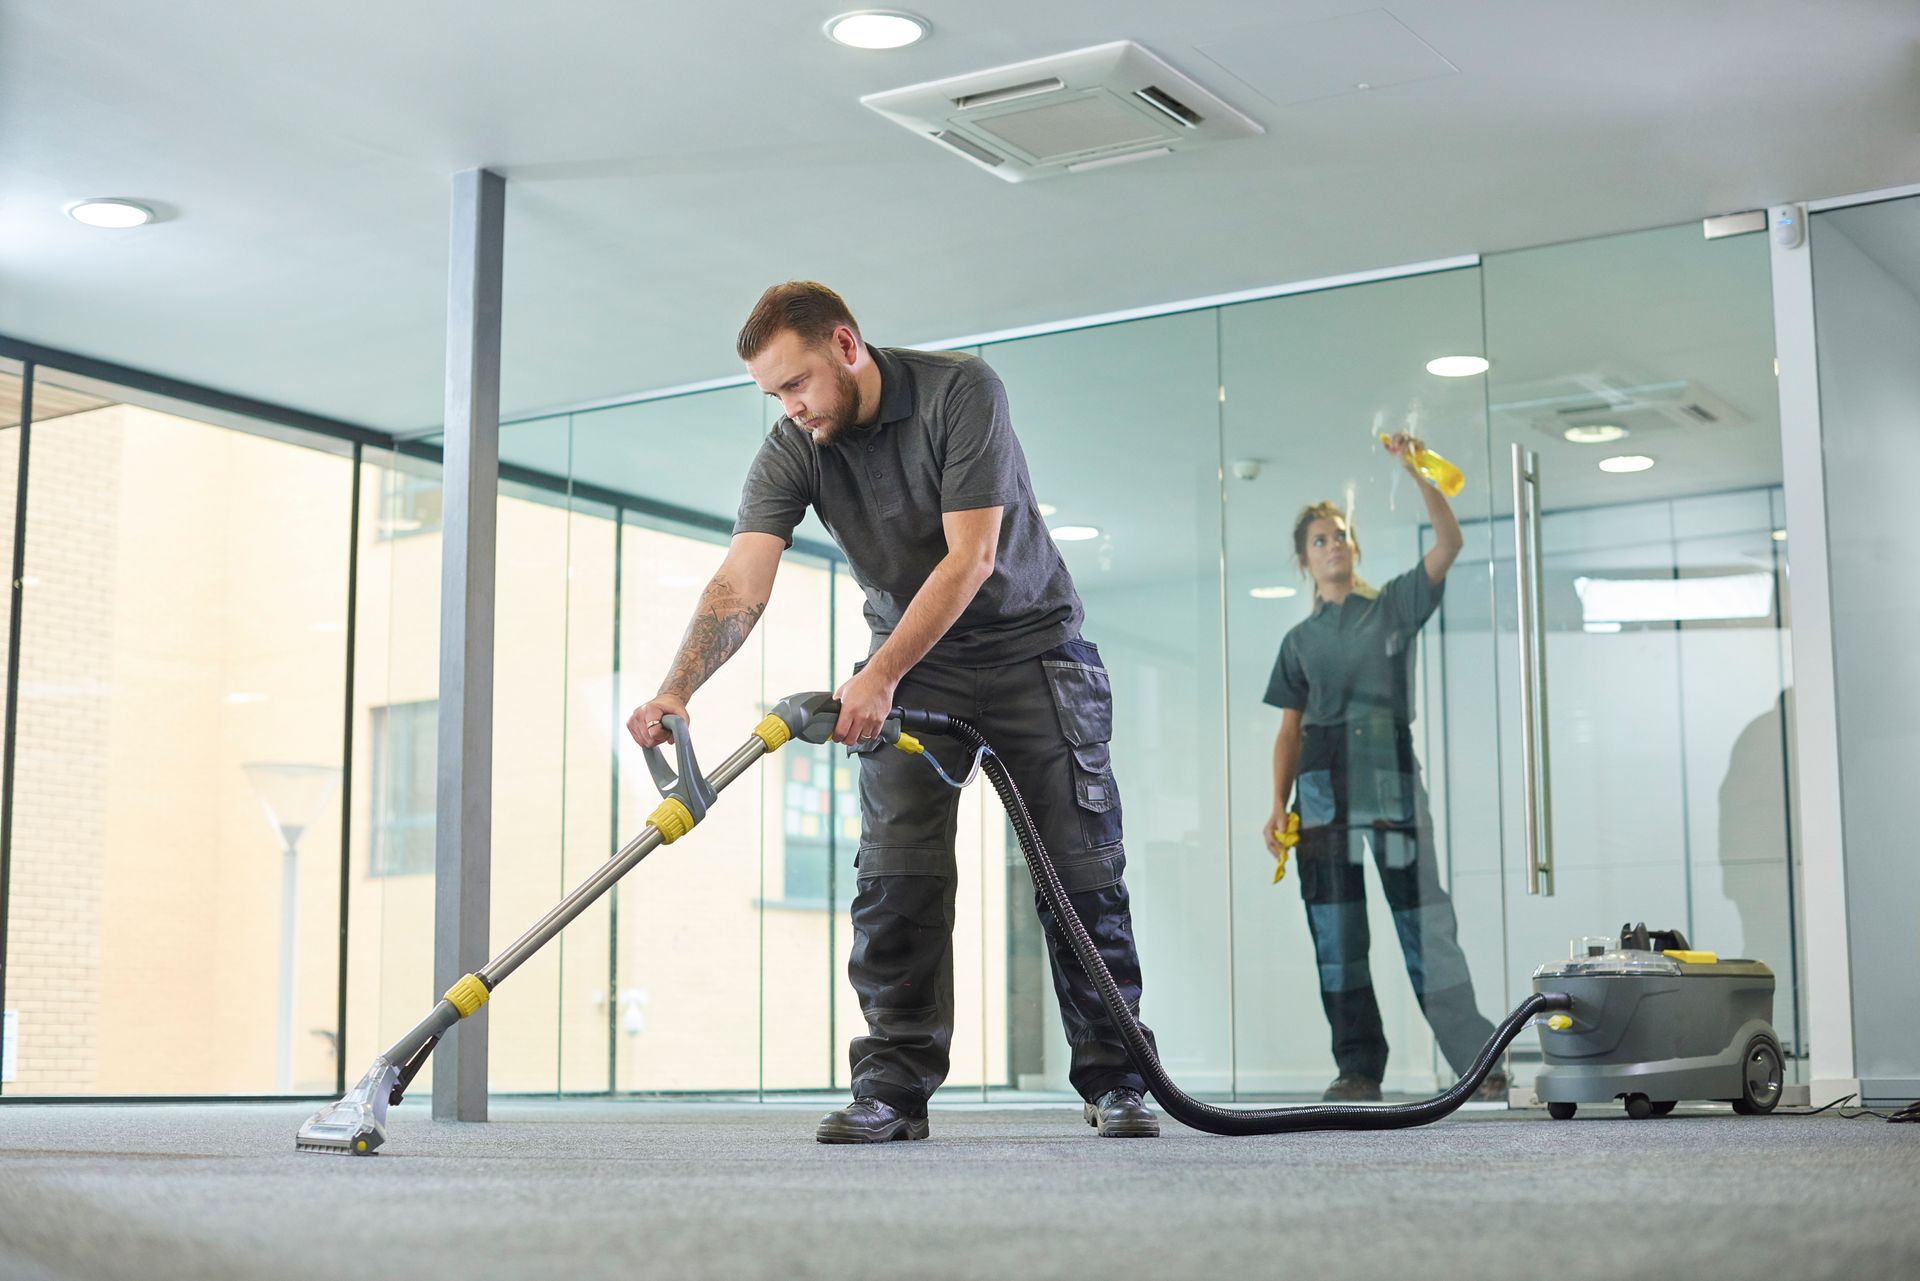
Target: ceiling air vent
{"type": "Point", "coordinates": [968, 148]}
{"type": "Point", "coordinates": [1069, 113]}
{"type": "Point", "coordinates": [1643, 406]}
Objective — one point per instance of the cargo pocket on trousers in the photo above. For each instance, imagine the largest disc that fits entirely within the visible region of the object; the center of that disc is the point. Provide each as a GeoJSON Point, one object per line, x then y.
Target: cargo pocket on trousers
{"type": "Point", "coordinates": [1083, 700]}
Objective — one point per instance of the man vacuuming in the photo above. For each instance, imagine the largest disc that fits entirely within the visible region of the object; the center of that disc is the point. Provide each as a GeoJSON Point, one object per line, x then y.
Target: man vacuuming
{"type": "Point", "coordinates": [911, 462]}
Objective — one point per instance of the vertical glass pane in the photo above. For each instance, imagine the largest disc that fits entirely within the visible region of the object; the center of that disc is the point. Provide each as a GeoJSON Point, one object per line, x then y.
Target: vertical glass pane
{"type": "Point", "coordinates": [395, 726]}
{"type": "Point", "coordinates": [594, 723]}
{"type": "Point", "coordinates": [851, 641]}
{"type": "Point", "coordinates": [1392, 900]}
{"type": "Point", "coordinates": [810, 816]}
{"type": "Point", "coordinates": [1639, 368]}
{"type": "Point", "coordinates": [178, 782]}
{"type": "Point", "coordinates": [1866, 289]}
{"type": "Point", "coordinates": [11, 387]}
{"type": "Point", "coordinates": [688, 942]}
{"type": "Point", "coordinates": [1735, 738]}
{"type": "Point", "coordinates": [689, 918]}
{"type": "Point", "coordinates": [551, 780]}
{"type": "Point", "coordinates": [1120, 427]}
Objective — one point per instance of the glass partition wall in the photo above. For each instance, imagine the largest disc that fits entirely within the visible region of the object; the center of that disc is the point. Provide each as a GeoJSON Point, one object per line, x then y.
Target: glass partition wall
{"type": "Point", "coordinates": [172, 846]}
{"type": "Point", "coordinates": [1866, 290]}
{"type": "Point", "coordinates": [1638, 372]}
{"type": "Point", "coordinates": [183, 670]}
{"type": "Point", "coordinates": [1389, 905]}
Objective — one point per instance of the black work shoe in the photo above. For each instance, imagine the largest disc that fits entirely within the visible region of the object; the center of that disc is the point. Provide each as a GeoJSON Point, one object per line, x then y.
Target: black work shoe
{"type": "Point", "coordinates": [1119, 1114]}
{"type": "Point", "coordinates": [1348, 1088]}
{"type": "Point", "coordinates": [869, 1121]}
{"type": "Point", "coordinates": [1493, 1089]}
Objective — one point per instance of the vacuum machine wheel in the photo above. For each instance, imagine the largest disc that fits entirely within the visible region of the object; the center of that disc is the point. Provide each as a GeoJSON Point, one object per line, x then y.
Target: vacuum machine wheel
{"type": "Point", "coordinates": [1639, 1107]}
{"type": "Point", "coordinates": [1763, 1075]}
{"type": "Point", "coordinates": [1562, 1111]}
{"type": "Point", "coordinates": [1662, 1108]}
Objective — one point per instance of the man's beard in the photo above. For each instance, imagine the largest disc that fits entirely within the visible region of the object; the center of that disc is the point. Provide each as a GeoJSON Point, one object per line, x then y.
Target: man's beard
{"type": "Point", "coordinates": [843, 414]}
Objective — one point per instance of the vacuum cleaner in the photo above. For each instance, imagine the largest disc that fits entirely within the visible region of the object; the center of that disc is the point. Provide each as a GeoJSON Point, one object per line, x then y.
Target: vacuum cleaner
{"type": "Point", "coordinates": [357, 1123]}
{"type": "Point", "coordinates": [1654, 1022]}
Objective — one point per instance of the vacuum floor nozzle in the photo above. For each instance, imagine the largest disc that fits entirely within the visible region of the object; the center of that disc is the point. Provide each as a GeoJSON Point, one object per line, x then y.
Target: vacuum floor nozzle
{"type": "Point", "coordinates": [357, 1124]}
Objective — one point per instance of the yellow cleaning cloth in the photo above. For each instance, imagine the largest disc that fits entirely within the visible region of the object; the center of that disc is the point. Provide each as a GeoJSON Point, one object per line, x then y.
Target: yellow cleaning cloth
{"type": "Point", "coordinates": [1286, 841]}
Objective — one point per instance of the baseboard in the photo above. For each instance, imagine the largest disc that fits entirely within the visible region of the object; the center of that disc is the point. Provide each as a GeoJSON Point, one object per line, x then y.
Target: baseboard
{"type": "Point", "coordinates": [1824, 1090]}
{"type": "Point", "coordinates": [1889, 1089]}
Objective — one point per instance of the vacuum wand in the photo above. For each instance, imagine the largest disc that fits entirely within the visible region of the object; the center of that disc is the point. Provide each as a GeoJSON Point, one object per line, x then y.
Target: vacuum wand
{"type": "Point", "coordinates": [357, 1123]}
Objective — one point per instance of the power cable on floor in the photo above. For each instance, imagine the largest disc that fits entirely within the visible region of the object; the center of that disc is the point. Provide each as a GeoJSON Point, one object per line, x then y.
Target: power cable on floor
{"type": "Point", "coordinates": [1909, 1113]}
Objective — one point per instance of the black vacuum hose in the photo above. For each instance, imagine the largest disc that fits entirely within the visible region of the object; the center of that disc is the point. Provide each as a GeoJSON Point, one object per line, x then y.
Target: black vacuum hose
{"type": "Point", "coordinates": [1183, 1108]}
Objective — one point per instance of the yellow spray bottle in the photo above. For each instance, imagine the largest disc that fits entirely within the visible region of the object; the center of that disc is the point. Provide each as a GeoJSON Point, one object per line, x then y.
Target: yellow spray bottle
{"type": "Point", "coordinates": [1446, 478]}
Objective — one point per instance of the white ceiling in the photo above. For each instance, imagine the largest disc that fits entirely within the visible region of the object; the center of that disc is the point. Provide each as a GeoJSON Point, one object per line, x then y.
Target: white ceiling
{"type": "Point", "coordinates": [665, 163]}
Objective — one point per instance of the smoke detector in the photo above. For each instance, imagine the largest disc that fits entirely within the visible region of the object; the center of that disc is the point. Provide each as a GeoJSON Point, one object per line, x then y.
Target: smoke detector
{"type": "Point", "coordinates": [1069, 113]}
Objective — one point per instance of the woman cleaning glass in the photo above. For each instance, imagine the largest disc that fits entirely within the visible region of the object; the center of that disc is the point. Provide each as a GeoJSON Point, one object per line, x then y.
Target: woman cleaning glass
{"type": "Point", "coordinates": [1344, 683]}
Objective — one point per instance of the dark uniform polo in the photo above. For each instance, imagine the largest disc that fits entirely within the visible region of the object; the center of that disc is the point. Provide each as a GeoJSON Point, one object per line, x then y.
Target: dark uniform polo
{"type": "Point", "coordinates": [943, 443]}
{"type": "Point", "coordinates": [1348, 669]}
{"type": "Point", "coordinates": [1012, 664]}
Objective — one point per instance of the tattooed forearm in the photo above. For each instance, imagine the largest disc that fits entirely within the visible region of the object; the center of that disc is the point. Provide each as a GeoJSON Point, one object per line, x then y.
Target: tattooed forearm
{"type": "Point", "coordinates": [719, 628]}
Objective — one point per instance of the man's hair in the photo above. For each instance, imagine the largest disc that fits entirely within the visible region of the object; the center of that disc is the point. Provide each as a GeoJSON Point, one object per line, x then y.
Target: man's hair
{"type": "Point", "coordinates": [803, 307]}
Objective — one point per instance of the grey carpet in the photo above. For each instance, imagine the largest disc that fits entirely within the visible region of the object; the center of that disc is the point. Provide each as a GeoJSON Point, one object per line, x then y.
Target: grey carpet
{"type": "Point", "coordinates": [633, 1190]}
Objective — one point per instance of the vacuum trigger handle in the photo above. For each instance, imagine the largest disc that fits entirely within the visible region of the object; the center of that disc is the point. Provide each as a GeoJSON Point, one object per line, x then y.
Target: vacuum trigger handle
{"type": "Point", "coordinates": [689, 786]}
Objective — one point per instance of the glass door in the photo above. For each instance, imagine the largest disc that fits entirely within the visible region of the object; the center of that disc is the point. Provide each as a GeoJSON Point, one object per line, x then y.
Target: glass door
{"type": "Point", "coordinates": [1631, 400]}
{"type": "Point", "coordinates": [1377, 960]}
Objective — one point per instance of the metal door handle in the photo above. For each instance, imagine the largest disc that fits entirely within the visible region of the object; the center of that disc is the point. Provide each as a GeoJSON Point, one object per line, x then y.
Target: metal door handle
{"type": "Point", "coordinates": [1535, 761]}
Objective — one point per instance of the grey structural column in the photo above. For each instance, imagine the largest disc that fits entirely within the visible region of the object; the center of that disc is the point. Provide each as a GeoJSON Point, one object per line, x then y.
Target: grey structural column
{"type": "Point", "coordinates": [463, 835]}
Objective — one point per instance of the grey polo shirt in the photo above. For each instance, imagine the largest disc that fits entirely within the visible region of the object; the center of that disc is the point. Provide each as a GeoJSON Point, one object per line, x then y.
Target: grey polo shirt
{"type": "Point", "coordinates": [1354, 661]}
{"type": "Point", "coordinates": [942, 443]}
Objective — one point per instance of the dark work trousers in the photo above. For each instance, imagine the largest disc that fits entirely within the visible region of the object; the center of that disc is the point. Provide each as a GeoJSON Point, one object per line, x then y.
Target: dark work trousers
{"type": "Point", "coordinates": [1049, 719]}
{"type": "Point", "coordinates": [1333, 887]}
{"type": "Point", "coordinates": [1333, 890]}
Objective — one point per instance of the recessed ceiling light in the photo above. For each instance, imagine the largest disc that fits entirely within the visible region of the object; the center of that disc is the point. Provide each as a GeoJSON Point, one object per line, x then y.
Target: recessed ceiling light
{"type": "Point", "coordinates": [1595, 434]}
{"type": "Point", "coordinates": [1073, 533]}
{"type": "Point", "coordinates": [1626, 463]}
{"type": "Point", "coordinates": [1457, 366]}
{"type": "Point", "coordinates": [1273, 593]}
{"type": "Point", "coordinates": [876, 29]}
{"type": "Point", "coordinates": [110, 213]}
{"type": "Point", "coordinates": [1048, 509]}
